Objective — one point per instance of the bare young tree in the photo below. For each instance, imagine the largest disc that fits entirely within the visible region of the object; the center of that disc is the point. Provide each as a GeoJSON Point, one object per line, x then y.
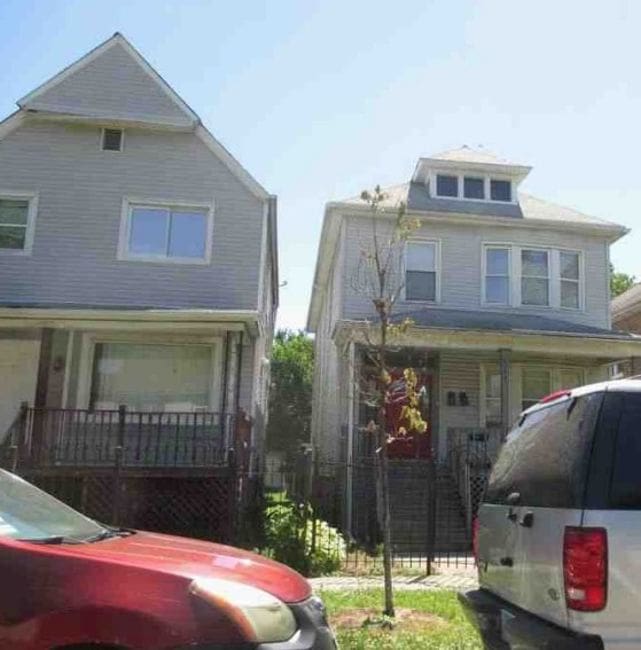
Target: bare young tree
{"type": "Point", "coordinates": [380, 278]}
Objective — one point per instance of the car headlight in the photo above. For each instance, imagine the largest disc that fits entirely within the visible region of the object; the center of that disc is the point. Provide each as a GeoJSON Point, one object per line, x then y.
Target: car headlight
{"type": "Point", "coordinates": [263, 618]}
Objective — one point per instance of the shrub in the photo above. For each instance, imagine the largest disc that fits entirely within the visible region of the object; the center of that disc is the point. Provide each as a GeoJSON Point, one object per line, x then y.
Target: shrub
{"type": "Point", "coordinates": [297, 538]}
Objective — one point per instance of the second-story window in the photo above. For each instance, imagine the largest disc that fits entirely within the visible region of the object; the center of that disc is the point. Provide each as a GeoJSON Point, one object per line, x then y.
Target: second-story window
{"type": "Point", "coordinates": [570, 274]}
{"type": "Point", "coordinates": [17, 216]}
{"type": "Point", "coordinates": [176, 234]}
{"type": "Point", "coordinates": [421, 271]}
{"type": "Point", "coordinates": [497, 275]}
{"type": "Point", "coordinates": [535, 277]}
{"type": "Point", "coordinates": [500, 190]}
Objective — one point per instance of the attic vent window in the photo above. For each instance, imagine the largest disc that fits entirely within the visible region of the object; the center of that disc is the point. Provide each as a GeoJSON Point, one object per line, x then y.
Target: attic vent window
{"type": "Point", "coordinates": [112, 139]}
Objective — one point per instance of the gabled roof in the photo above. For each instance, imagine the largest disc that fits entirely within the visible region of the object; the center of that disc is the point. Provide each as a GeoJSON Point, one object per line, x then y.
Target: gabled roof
{"type": "Point", "coordinates": [112, 80]}
{"type": "Point", "coordinates": [114, 83]}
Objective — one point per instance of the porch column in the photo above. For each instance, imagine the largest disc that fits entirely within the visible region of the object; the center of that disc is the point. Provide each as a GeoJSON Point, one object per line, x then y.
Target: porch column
{"type": "Point", "coordinates": [349, 456]}
{"type": "Point", "coordinates": [504, 367]}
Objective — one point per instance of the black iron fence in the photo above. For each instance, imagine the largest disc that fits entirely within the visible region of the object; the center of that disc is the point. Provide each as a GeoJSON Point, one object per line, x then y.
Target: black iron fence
{"type": "Point", "coordinates": [330, 511]}
{"type": "Point", "coordinates": [54, 437]}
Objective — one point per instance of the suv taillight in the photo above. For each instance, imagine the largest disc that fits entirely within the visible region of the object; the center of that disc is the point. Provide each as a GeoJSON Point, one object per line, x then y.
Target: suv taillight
{"type": "Point", "coordinates": [585, 568]}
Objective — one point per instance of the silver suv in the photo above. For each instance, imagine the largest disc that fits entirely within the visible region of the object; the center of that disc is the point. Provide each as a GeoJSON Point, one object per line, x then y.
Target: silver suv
{"type": "Point", "coordinates": [558, 535]}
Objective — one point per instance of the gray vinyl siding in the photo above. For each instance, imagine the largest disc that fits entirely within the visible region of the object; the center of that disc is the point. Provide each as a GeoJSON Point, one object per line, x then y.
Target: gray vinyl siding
{"type": "Point", "coordinates": [328, 406]}
{"type": "Point", "coordinates": [113, 84]}
{"type": "Point", "coordinates": [81, 189]}
{"type": "Point", "coordinates": [461, 279]}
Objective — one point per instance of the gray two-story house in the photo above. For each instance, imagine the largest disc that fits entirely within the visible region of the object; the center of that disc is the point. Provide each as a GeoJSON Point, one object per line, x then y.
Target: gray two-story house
{"type": "Point", "coordinates": [507, 295]}
{"type": "Point", "coordinates": [138, 271]}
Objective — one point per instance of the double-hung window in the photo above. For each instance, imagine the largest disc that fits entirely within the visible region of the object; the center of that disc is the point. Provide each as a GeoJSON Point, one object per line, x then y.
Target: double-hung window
{"type": "Point", "coordinates": [535, 385]}
{"type": "Point", "coordinates": [17, 216]}
{"type": "Point", "coordinates": [421, 271]}
{"type": "Point", "coordinates": [535, 277]}
{"type": "Point", "coordinates": [569, 272]}
{"type": "Point", "coordinates": [167, 233]}
{"type": "Point", "coordinates": [492, 395]}
{"type": "Point", "coordinates": [497, 275]}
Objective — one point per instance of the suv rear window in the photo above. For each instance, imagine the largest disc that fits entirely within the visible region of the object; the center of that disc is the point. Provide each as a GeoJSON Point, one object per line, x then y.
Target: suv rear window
{"type": "Point", "coordinates": [625, 488]}
{"type": "Point", "coordinates": [545, 458]}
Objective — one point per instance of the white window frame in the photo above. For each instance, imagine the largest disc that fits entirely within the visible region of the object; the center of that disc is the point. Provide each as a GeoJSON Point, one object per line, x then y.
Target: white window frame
{"type": "Point", "coordinates": [102, 139]}
{"type": "Point", "coordinates": [88, 348]}
{"type": "Point", "coordinates": [461, 186]}
{"type": "Point", "coordinates": [129, 203]}
{"type": "Point", "coordinates": [451, 175]}
{"type": "Point", "coordinates": [484, 274]}
{"type": "Point", "coordinates": [554, 276]}
{"type": "Point", "coordinates": [548, 277]}
{"type": "Point", "coordinates": [580, 281]}
{"type": "Point", "coordinates": [30, 227]}
{"type": "Point", "coordinates": [486, 370]}
{"type": "Point", "coordinates": [437, 270]}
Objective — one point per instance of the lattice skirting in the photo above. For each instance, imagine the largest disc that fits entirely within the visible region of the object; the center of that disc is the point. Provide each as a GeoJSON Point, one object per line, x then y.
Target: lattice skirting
{"type": "Point", "coordinates": [194, 507]}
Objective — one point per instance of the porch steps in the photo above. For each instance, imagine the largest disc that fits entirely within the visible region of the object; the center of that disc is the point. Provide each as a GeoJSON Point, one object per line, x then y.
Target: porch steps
{"type": "Point", "coordinates": [410, 498]}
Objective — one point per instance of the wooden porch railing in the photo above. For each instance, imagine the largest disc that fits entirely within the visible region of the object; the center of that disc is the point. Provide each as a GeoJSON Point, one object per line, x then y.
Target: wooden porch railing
{"type": "Point", "coordinates": [53, 437]}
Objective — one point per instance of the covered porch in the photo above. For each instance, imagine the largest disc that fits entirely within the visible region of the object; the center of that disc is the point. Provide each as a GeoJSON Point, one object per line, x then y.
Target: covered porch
{"type": "Point", "coordinates": [140, 389]}
{"type": "Point", "coordinates": [474, 384]}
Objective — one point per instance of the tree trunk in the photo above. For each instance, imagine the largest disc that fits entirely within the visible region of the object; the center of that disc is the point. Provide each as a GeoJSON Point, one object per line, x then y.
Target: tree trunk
{"type": "Point", "coordinates": [383, 469]}
{"type": "Point", "coordinates": [386, 524]}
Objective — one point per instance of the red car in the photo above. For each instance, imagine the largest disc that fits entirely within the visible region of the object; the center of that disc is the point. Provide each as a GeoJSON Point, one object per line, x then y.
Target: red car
{"type": "Point", "coordinates": [69, 583]}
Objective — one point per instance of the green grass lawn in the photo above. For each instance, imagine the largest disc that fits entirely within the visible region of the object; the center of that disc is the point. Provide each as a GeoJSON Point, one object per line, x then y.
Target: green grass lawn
{"type": "Point", "coordinates": [428, 619]}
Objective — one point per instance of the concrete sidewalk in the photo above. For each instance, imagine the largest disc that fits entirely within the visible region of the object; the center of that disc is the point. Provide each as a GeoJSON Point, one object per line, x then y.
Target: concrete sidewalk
{"type": "Point", "coordinates": [450, 581]}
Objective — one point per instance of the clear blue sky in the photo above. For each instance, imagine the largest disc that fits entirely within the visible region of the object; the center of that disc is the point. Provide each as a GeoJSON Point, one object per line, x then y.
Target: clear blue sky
{"type": "Point", "coordinates": [321, 99]}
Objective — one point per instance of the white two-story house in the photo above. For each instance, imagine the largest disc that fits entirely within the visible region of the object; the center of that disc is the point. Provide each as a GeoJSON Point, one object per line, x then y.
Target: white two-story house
{"type": "Point", "coordinates": [138, 272]}
{"type": "Point", "coordinates": [508, 297]}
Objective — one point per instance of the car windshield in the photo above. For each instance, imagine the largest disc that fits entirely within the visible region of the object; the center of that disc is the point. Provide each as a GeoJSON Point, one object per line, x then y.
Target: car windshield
{"type": "Point", "coordinates": [28, 513]}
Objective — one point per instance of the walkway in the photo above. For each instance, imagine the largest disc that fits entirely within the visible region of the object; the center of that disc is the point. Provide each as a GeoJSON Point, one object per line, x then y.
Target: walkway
{"type": "Point", "coordinates": [447, 580]}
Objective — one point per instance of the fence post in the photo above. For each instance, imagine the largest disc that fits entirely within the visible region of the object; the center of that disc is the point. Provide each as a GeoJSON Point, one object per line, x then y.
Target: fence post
{"type": "Point", "coordinates": [233, 519]}
{"type": "Point", "coordinates": [118, 460]}
{"type": "Point", "coordinates": [432, 482]}
{"type": "Point", "coordinates": [312, 493]}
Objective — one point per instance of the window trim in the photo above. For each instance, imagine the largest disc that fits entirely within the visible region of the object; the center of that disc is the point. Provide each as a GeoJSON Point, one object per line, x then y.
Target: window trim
{"type": "Point", "coordinates": [484, 274]}
{"type": "Point", "coordinates": [487, 178]}
{"type": "Point", "coordinates": [30, 226]}
{"type": "Point", "coordinates": [102, 139]}
{"type": "Point", "coordinates": [129, 203]}
{"type": "Point", "coordinates": [437, 270]}
{"type": "Point", "coordinates": [548, 277]}
{"type": "Point", "coordinates": [554, 276]}
{"type": "Point", "coordinates": [88, 348]}
{"type": "Point", "coordinates": [580, 281]}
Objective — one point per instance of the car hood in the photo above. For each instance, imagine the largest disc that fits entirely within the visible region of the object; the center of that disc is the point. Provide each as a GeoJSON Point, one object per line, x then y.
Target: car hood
{"type": "Point", "coordinates": [194, 559]}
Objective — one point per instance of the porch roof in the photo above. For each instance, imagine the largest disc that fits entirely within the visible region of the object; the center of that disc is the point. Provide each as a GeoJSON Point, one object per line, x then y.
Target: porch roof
{"type": "Point", "coordinates": [504, 322]}
{"type": "Point", "coordinates": [449, 329]}
{"type": "Point", "coordinates": [66, 316]}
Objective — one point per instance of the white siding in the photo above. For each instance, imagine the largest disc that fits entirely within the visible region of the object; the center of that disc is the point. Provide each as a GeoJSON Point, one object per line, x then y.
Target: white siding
{"type": "Point", "coordinates": [81, 189]}
{"type": "Point", "coordinates": [112, 84]}
{"type": "Point", "coordinates": [461, 253]}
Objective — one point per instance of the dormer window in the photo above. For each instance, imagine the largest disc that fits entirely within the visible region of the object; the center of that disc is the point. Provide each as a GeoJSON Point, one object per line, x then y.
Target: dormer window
{"type": "Point", "coordinates": [500, 190]}
{"type": "Point", "coordinates": [446, 185]}
{"type": "Point", "coordinates": [474, 188]}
